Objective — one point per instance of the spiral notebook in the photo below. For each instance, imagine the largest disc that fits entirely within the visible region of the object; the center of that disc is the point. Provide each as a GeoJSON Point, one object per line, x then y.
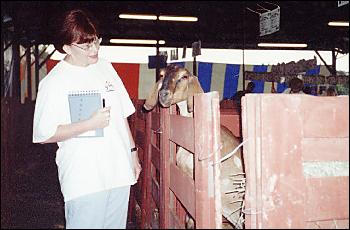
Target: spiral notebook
{"type": "Point", "coordinates": [82, 104]}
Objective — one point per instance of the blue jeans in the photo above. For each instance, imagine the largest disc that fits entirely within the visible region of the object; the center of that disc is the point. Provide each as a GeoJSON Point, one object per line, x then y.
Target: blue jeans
{"type": "Point", "coordinates": [102, 210]}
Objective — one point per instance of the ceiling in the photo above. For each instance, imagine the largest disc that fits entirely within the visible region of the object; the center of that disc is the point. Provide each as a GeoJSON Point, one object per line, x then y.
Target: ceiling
{"type": "Point", "coordinates": [220, 24]}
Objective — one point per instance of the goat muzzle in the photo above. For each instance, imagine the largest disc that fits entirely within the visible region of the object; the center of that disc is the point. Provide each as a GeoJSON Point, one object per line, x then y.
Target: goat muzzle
{"type": "Point", "coordinates": [165, 97]}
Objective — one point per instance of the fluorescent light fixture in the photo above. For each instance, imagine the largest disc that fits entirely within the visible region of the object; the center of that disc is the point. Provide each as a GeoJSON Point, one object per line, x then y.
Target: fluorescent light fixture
{"type": "Point", "coordinates": [177, 18]}
{"type": "Point", "coordinates": [338, 24]}
{"type": "Point", "coordinates": [154, 17]}
{"type": "Point", "coordinates": [138, 16]}
{"type": "Point", "coordinates": [136, 41]}
{"type": "Point", "coordinates": [286, 45]}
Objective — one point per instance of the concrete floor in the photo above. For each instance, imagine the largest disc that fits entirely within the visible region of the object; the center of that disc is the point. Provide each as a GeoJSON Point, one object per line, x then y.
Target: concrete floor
{"type": "Point", "coordinates": [35, 200]}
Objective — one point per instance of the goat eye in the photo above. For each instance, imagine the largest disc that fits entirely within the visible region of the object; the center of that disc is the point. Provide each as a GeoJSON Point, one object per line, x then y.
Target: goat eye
{"type": "Point", "coordinates": [182, 78]}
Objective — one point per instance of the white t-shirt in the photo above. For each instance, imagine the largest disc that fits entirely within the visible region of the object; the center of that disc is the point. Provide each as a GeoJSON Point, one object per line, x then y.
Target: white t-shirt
{"type": "Point", "coordinates": [90, 164]}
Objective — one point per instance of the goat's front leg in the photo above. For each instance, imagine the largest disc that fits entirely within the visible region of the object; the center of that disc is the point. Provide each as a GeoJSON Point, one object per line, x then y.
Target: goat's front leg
{"type": "Point", "coordinates": [184, 160]}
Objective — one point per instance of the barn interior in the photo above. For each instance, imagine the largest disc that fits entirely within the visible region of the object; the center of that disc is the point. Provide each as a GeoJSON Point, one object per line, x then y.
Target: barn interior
{"type": "Point", "coordinates": [30, 193]}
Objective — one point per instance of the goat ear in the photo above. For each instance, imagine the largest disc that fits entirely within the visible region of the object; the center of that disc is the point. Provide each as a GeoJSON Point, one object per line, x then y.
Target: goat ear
{"type": "Point", "coordinates": [194, 87]}
{"type": "Point", "coordinates": [152, 98]}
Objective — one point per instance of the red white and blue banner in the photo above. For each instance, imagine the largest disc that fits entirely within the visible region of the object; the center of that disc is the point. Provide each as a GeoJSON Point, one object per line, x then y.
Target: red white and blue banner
{"type": "Point", "coordinates": [139, 80]}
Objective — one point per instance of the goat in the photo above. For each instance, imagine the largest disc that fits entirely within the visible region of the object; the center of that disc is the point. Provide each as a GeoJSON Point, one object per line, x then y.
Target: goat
{"type": "Point", "coordinates": [177, 86]}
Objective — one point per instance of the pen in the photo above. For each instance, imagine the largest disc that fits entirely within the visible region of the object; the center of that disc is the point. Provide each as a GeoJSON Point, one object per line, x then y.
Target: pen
{"type": "Point", "coordinates": [103, 103]}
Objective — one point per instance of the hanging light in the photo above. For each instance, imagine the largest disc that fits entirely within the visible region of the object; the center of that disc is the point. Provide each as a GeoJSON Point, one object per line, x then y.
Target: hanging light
{"type": "Point", "coordinates": [136, 41]}
{"type": "Point", "coordinates": [284, 45]}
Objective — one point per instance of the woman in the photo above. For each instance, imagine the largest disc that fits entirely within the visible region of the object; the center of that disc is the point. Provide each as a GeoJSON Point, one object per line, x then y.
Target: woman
{"type": "Point", "coordinates": [95, 173]}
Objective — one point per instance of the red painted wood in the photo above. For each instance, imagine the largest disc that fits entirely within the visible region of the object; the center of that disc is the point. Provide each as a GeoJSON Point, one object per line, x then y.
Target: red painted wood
{"type": "Point", "coordinates": [325, 116]}
{"type": "Point", "coordinates": [174, 221]}
{"type": "Point", "coordinates": [182, 131]}
{"type": "Point", "coordinates": [328, 224]}
{"type": "Point", "coordinates": [165, 170]}
{"type": "Point", "coordinates": [283, 132]}
{"type": "Point", "coordinates": [325, 149]}
{"type": "Point", "coordinates": [155, 122]}
{"type": "Point", "coordinates": [153, 191]}
{"type": "Point", "coordinates": [204, 184]}
{"type": "Point", "coordinates": [138, 193]}
{"type": "Point", "coordinates": [183, 188]}
{"type": "Point", "coordinates": [216, 212]}
{"type": "Point", "coordinates": [326, 198]}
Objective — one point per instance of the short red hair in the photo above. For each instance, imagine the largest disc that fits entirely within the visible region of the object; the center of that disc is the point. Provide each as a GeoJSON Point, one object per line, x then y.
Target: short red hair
{"type": "Point", "coordinates": [76, 26]}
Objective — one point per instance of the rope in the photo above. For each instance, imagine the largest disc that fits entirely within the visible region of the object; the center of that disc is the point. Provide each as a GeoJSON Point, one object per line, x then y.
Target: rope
{"type": "Point", "coordinates": [231, 153]}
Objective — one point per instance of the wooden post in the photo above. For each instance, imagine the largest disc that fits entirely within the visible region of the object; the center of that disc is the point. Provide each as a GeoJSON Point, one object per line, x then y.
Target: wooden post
{"type": "Point", "coordinates": [36, 63]}
{"type": "Point", "coordinates": [204, 173]}
{"type": "Point", "coordinates": [157, 61]}
{"type": "Point", "coordinates": [334, 65]}
{"type": "Point", "coordinates": [216, 151]}
{"type": "Point", "coordinates": [29, 71]}
{"type": "Point", "coordinates": [165, 169]}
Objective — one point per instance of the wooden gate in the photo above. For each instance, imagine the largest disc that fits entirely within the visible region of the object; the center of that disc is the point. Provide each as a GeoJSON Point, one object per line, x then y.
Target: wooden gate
{"type": "Point", "coordinates": [180, 194]}
{"type": "Point", "coordinates": [137, 200]}
{"type": "Point", "coordinates": [296, 161]}
{"type": "Point", "coordinates": [164, 193]}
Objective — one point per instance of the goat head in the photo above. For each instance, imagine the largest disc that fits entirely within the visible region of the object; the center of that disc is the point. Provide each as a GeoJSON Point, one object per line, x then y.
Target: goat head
{"type": "Point", "coordinates": [176, 84]}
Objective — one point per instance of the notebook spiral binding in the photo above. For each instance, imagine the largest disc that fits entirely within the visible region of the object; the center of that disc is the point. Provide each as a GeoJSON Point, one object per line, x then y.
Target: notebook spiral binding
{"type": "Point", "coordinates": [83, 92]}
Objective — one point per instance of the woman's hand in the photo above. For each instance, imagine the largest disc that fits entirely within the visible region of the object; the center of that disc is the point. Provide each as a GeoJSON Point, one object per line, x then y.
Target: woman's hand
{"type": "Point", "coordinates": [136, 164]}
{"type": "Point", "coordinates": [100, 118]}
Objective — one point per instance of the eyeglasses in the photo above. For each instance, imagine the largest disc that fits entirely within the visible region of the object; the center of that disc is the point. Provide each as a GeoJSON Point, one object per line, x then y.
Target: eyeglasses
{"type": "Point", "coordinates": [89, 46]}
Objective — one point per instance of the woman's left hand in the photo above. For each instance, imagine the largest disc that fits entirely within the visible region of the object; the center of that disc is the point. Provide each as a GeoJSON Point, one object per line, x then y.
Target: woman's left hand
{"type": "Point", "coordinates": [137, 165]}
